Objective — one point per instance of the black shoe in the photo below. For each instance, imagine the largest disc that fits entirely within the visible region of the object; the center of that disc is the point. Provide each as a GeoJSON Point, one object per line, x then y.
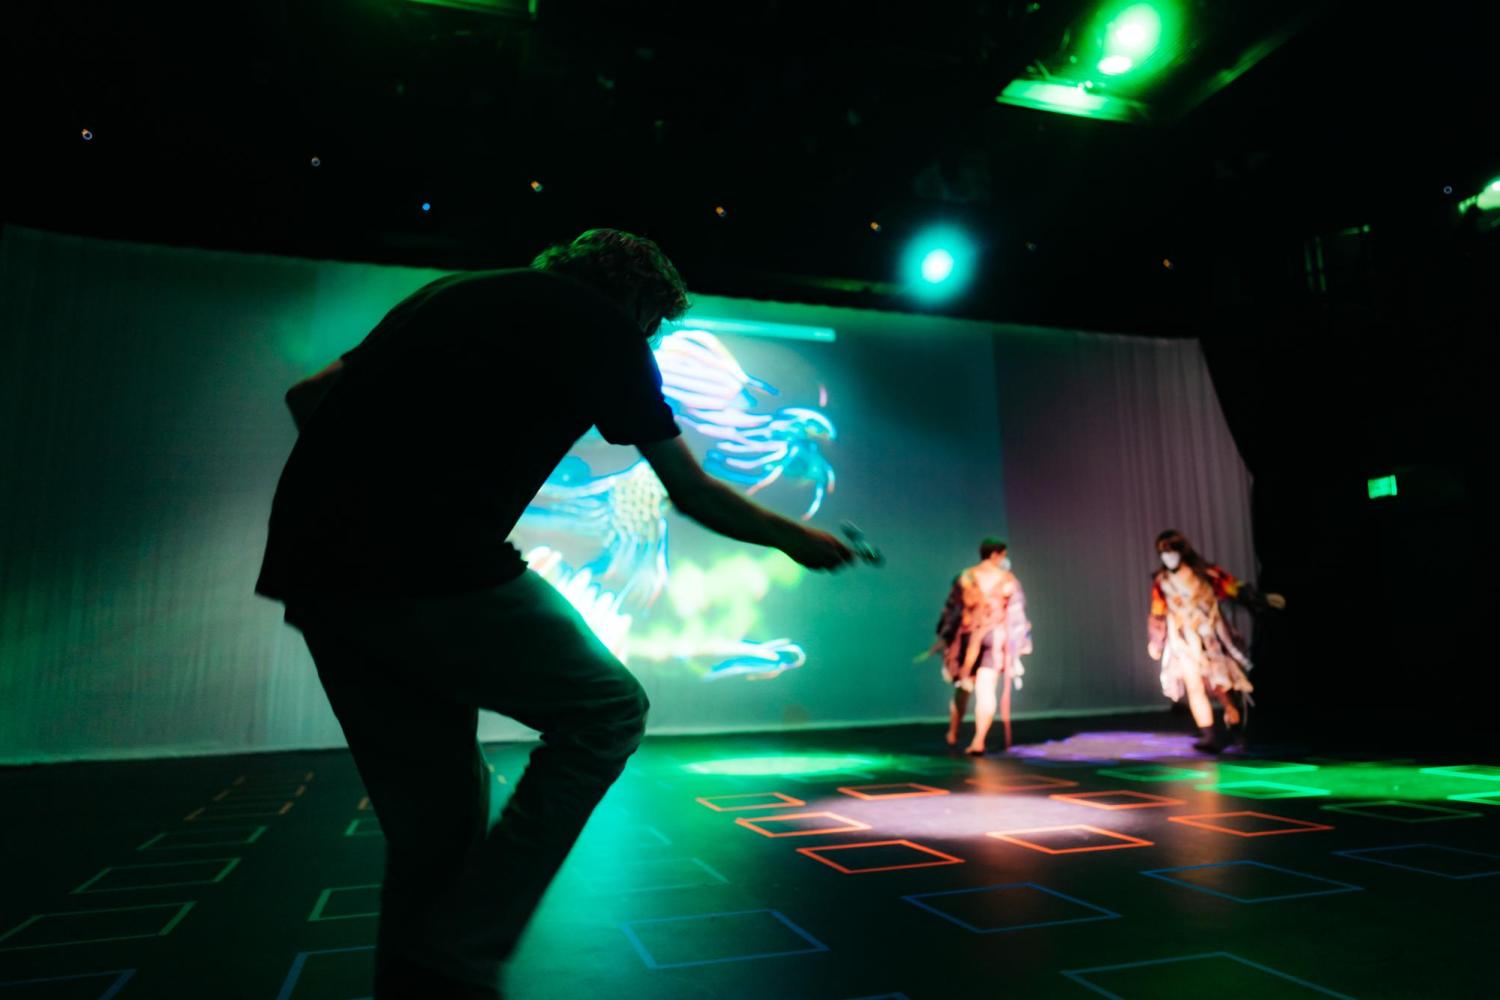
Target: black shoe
{"type": "Point", "coordinates": [1208, 740]}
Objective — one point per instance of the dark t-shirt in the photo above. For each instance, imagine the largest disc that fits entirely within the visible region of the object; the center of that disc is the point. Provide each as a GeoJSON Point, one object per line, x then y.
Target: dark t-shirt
{"type": "Point", "coordinates": [442, 426]}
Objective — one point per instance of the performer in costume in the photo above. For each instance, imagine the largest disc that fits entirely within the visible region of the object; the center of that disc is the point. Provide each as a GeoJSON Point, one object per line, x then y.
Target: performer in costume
{"type": "Point", "coordinates": [983, 633]}
{"type": "Point", "coordinates": [1202, 656]}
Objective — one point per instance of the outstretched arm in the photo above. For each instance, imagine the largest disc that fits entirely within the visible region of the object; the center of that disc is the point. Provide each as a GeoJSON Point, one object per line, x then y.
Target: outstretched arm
{"type": "Point", "coordinates": [722, 510]}
{"type": "Point", "coordinates": [1227, 588]}
{"type": "Point", "coordinates": [303, 398]}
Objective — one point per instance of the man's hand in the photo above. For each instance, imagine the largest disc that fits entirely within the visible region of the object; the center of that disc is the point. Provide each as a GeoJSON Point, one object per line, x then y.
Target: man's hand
{"type": "Point", "coordinates": [814, 549]}
{"type": "Point", "coordinates": [1153, 651]}
{"type": "Point", "coordinates": [720, 509]}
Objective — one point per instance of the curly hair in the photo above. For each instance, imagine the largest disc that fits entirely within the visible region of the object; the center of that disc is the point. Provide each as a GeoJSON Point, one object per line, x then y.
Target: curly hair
{"type": "Point", "coordinates": [625, 267]}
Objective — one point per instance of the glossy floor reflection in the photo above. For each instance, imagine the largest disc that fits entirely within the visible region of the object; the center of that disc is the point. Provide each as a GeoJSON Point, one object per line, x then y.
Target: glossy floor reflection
{"type": "Point", "coordinates": [1096, 859]}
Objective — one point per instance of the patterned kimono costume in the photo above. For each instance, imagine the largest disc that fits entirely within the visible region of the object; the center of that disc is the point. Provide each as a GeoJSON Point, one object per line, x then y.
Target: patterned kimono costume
{"type": "Point", "coordinates": [1188, 627]}
{"type": "Point", "coordinates": [984, 630]}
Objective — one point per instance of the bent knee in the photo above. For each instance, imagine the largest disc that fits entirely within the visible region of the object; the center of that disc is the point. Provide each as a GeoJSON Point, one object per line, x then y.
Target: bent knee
{"type": "Point", "coordinates": [625, 716]}
{"type": "Point", "coordinates": [638, 705]}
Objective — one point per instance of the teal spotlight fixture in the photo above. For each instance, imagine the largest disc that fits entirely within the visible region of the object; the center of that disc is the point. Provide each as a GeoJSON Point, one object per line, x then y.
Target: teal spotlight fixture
{"type": "Point", "coordinates": [938, 264]}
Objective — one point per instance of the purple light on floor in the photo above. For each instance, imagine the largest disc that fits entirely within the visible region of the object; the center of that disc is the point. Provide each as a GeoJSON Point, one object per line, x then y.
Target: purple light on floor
{"type": "Point", "coordinates": [1106, 747]}
{"type": "Point", "coordinates": [969, 813]}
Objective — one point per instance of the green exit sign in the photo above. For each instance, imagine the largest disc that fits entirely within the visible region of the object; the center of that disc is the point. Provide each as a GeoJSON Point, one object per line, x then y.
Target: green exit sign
{"type": "Point", "coordinates": [1384, 486]}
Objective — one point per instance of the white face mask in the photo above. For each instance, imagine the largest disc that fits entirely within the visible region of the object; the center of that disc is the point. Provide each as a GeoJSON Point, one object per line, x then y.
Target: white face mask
{"type": "Point", "coordinates": [1171, 560]}
{"type": "Point", "coordinates": [1005, 564]}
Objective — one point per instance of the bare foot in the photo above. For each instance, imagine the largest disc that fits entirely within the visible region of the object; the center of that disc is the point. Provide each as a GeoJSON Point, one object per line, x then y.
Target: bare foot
{"type": "Point", "coordinates": [952, 738]}
{"type": "Point", "coordinates": [1231, 716]}
{"type": "Point", "coordinates": [975, 750]}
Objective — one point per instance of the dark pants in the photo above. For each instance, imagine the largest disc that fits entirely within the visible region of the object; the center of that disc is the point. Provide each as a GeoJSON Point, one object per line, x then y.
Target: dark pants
{"type": "Point", "coordinates": [406, 679]}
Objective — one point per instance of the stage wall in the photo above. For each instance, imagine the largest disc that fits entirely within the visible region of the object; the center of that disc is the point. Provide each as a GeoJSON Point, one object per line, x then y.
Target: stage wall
{"type": "Point", "coordinates": [142, 431]}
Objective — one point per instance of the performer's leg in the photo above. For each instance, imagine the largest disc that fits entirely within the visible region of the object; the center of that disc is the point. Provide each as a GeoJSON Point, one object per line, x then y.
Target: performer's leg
{"type": "Point", "coordinates": [1006, 685]}
{"type": "Point", "coordinates": [985, 681]}
{"type": "Point", "coordinates": [1202, 708]}
{"type": "Point", "coordinates": [1225, 697]}
{"type": "Point", "coordinates": [1197, 696]}
{"type": "Point", "coordinates": [956, 709]}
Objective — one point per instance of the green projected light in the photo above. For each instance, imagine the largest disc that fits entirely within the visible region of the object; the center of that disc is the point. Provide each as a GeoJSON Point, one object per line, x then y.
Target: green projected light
{"type": "Point", "coordinates": [1483, 798]}
{"type": "Point", "coordinates": [1263, 790]}
{"type": "Point", "coordinates": [938, 263]}
{"type": "Point", "coordinates": [1384, 781]}
{"type": "Point", "coordinates": [1382, 486]}
{"type": "Point", "coordinates": [782, 764]}
{"type": "Point", "coordinates": [716, 607]}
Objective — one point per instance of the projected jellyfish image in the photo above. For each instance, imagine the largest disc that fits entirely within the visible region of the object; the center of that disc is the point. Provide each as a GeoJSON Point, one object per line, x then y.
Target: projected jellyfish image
{"type": "Point", "coordinates": [714, 396]}
{"type": "Point", "coordinates": [600, 534]}
{"type": "Point", "coordinates": [623, 513]}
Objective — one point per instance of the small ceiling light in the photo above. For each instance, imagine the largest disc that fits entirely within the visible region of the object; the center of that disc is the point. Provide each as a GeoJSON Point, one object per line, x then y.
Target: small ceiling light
{"type": "Point", "coordinates": [536, 186]}
{"type": "Point", "coordinates": [721, 211]}
{"type": "Point", "coordinates": [87, 135]}
{"type": "Point", "coordinates": [874, 226]}
{"type": "Point", "coordinates": [937, 266]}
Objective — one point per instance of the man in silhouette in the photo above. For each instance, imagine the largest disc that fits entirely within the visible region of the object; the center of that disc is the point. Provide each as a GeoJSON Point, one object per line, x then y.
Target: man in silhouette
{"type": "Point", "coordinates": [417, 452]}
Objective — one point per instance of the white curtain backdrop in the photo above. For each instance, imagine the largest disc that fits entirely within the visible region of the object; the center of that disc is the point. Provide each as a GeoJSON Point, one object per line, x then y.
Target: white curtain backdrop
{"type": "Point", "coordinates": [1108, 441]}
{"type": "Point", "coordinates": [142, 431]}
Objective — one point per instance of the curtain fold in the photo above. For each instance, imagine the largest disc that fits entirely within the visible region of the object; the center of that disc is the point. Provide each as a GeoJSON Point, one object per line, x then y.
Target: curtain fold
{"type": "Point", "coordinates": [1108, 441]}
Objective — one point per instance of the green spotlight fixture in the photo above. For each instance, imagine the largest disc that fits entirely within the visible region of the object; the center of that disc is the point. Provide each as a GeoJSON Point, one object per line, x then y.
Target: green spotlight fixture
{"type": "Point", "coordinates": [1382, 486]}
{"type": "Point", "coordinates": [1134, 32]}
{"type": "Point", "coordinates": [1128, 43]}
{"type": "Point", "coordinates": [1138, 39]}
{"type": "Point", "coordinates": [1070, 99]}
{"type": "Point", "coordinates": [1489, 198]}
{"type": "Point", "coordinates": [1152, 61]}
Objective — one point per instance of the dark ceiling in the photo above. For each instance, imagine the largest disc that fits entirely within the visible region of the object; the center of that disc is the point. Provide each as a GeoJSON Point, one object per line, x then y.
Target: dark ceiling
{"type": "Point", "coordinates": [803, 121]}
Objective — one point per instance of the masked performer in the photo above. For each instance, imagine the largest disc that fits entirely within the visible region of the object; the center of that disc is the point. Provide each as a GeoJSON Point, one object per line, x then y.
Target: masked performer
{"type": "Point", "coordinates": [1202, 656]}
{"type": "Point", "coordinates": [983, 633]}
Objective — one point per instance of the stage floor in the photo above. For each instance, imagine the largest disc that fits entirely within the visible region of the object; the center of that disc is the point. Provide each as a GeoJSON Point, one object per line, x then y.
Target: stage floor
{"type": "Point", "coordinates": [1101, 858]}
